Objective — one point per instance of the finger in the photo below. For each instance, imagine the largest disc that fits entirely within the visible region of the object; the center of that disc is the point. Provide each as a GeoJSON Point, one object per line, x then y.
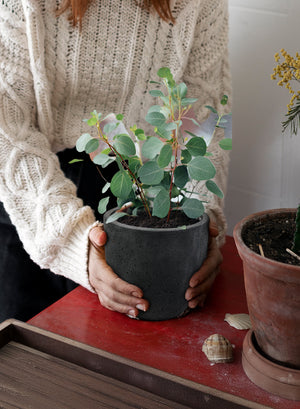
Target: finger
{"type": "Point", "coordinates": [197, 301]}
{"type": "Point", "coordinates": [201, 289]}
{"type": "Point", "coordinates": [98, 236]}
{"type": "Point", "coordinates": [121, 302]}
{"type": "Point", "coordinates": [211, 263]}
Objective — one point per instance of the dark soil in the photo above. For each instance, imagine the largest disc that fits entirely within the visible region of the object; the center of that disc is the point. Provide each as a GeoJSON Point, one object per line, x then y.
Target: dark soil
{"type": "Point", "coordinates": [275, 234]}
{"type": "Point", "coordinates": [177, 219]}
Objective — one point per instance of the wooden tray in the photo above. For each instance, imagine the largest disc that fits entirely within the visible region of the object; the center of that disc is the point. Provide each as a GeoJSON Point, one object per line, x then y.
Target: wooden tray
{"type": "Point", "coordinates": [42, 370]}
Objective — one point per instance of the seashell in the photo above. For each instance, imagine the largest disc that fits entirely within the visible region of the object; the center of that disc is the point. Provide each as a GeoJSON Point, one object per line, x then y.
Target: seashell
{"type": "Point", "coordinates": [218, 349]}
{"type": "Point", "coordinates": [238, 321]}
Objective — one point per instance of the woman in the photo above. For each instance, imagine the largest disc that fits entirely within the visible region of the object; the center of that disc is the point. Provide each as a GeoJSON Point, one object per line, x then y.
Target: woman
{"type": "Point", "coordinates": [55, 68]}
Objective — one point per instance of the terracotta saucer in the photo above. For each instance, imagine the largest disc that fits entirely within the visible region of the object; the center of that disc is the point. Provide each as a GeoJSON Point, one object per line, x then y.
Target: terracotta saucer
{"type": "Point", "coordinates": [274, 378]}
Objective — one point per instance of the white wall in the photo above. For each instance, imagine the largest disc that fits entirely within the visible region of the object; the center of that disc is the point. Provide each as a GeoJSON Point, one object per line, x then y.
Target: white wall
{"type": "Point", "coordinates": [265, 164]}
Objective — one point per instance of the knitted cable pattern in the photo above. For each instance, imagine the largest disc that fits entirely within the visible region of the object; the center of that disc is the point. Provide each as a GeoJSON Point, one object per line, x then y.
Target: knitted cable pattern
{"type": "Point", "coordinates": [52, 76]}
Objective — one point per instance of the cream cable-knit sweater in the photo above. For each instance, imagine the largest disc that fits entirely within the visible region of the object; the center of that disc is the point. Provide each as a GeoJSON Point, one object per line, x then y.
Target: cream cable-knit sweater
{"type": "Point", "coordinates": [52, 76]}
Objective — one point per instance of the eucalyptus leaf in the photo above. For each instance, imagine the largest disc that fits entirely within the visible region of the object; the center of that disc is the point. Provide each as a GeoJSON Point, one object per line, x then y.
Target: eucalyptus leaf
{"type": "Point", "coordinates": [111, 126]}
{"type": "Point", "coordinates": [124, 145]}
{"type": "Point", "coordinates": [214, 188]}
{"type": "Point", "coordinates": [152, 147]}
{"type": "Point", "coordinates": [155, 118]}
{"type": "Point", "coordinates": [201, 168]}
{"type": "Point", "coordinates": [103, 205]}
{"type": "Point", "coordinates": [161, 204]}
{"type": "Point", "coordinates": [193, 208]}
{"type": "Point", "coordinates": [188, 101]}
{"type": "Point", "coordinates": [156, 93]}
{"type": "Point", "coordinates": [105, 187]}
{"type": "Point", "coordinates": [165, 72]}
{"type": "Point", "coordinates": [92, 121]}
{"type": "Point", "coordinates": [134, 164]}
{"type": "Point", "coordinates": [180, 90]}
{"type": "Point", "coordinates": [212, 109]}
{"type": "Point", "coordinates": [185, 156]}
{"type": "Point", "coordinates": [82, 141]}
{"type": "Point", "coordinates": [121, 185]}
{"type": "Point", "coordinates": [165, 131]}
{"type": "Point", "coordinates": [92, 145]}
{"type": "Point", "coordinates": [150, 173]}
{"type": "Point", "coordinates": [196, 146]}
{"type": "Point", "coordinates": [100, 159]}
{"type": "Point", "coordinates": [226, 144]}
{"type": "Point", "coordinates": [115, 216]}
{"type": "Point", "coordinates": [181, 176]}
{"type": "Point", "coordinates": [165, 156]}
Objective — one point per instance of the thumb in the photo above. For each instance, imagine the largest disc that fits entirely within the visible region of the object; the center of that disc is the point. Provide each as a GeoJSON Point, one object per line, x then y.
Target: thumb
{"type": "Point", "coordinates": [97, 236]}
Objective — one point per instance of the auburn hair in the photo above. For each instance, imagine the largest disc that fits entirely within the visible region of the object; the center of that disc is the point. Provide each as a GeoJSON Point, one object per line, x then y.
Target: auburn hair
{"type": "Point", "coordinates": [77, 9]}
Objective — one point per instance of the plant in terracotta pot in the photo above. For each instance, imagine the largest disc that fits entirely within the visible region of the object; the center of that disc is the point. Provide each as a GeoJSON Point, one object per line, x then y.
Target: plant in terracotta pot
{"type": "Point", "coordinates": [269, 245]}
{"type": "Point", "coordinates": [158, 235]}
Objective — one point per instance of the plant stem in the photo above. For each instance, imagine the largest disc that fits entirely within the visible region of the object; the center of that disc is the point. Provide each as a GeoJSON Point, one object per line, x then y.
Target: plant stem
{"type": "Point", "coordinates": [125, 165]}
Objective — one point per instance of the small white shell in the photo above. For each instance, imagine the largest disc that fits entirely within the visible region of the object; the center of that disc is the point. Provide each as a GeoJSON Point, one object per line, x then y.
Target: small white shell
{"type": "Point", "coordinates": [238, 321]}
{"type": "Point", "coordinates": [217, 349]}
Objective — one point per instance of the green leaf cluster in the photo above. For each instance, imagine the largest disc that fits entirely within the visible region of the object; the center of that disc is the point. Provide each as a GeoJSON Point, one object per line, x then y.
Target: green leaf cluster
{"type": "Point", "coordinates": [159, 178]}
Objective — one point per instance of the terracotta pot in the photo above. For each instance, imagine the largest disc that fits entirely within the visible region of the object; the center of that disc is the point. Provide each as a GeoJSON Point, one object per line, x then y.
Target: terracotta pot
{"type": "Point", "coordinates": [159, 261]}
{"type": "Point", "coordinates": [273, 298]}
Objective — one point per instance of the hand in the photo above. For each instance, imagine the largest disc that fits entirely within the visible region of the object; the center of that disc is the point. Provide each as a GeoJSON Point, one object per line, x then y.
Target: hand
{"type": "Point", "coordinates": [113, 292]}
{"type": "Point", "coordinates": [203, 279]}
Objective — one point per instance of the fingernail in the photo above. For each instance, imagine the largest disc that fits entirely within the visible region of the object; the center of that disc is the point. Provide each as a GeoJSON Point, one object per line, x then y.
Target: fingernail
{"type": "Point", "coordinates": [135, 294]}
{"type": "Point", "coordinates": [141, 307]}
{"type": "Point", "coordinates": [194, 283]}
{"type": "Point", "coordinates": [131, 314]}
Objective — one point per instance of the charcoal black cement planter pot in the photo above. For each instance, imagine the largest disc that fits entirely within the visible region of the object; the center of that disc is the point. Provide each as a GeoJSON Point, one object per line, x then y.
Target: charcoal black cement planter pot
{"type": "Point", "coordinates": [159, 261]}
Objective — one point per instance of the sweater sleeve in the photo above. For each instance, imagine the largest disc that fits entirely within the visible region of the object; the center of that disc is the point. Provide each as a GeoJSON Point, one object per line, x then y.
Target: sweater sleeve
{"type": "Point", "coordinates": [50, 220]}
{"type": "Point", "coordinates": [207, 76]}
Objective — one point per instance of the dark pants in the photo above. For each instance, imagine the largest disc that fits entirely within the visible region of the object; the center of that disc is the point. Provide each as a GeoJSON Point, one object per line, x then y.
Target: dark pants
{"type": "Point", "coordinates": [25, 288]}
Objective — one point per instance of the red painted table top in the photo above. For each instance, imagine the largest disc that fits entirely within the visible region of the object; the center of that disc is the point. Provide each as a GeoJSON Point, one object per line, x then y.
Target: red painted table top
{"type": "Point", "coordinates": [172, 346]}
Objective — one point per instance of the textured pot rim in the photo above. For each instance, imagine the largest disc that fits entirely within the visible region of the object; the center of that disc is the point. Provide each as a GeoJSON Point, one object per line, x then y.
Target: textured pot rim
{"type": "Point", "coordinates": [204, 219]}
{"type": "Point", "coordinates": [264, 264]}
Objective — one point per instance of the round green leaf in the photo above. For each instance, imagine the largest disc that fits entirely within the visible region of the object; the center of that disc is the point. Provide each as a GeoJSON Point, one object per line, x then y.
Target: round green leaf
{"type": "Point", "coordinates": [152, 147]}
{"type": "Point", "coordinates": [103, 205]}
{"type": "Point", "coordinates": [121, 185]}
{"type": "Point", "coordinates": [161, 204]}
{"type": "Point", "coordinates": [196, 146]}
{"type": "Point", "coordinates": [164, 72]}
{"type": "Point", "coordinates": [181, 176]}
{"type": "Point", "coordinates": [193, 208]}
{"type": "Point", "coordinates": [155, 118]}
{"type": "Point", "coordinates": [100, 159]}
{"type": "Point", "coordinates": [124, 145]}
{"type": "Point", "coordinates": [214, 188]}
{"type": "Point", "coordinates": [82, 141]}
{"type": "Point", "coordinates": [180, 90]}
{"type": "Point", "coordinates": [156, 93]}
{"type": "Point", "coordinates": [201, 168]}
{"type": "Point", "coordinates": [92, 145]}
{"type": "Point", "coordinates": [185, 156]}
{"type": "Point", "coordinates": [188, 101]}
{"type": "Point", "coordinates": [226, 144]}
{"type": "Point", "coordinates": [165, 156]}
{"type": "Point", "coordinates": [150, 173]}
{"type": "Point", "coordinates": [134, 164]}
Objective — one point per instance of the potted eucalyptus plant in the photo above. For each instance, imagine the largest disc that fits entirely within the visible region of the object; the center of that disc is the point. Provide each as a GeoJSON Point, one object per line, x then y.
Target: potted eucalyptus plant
{"type": "Point", "coordinates": [158, 234]}
{"type": "Point", "coordinates": [269, 244]}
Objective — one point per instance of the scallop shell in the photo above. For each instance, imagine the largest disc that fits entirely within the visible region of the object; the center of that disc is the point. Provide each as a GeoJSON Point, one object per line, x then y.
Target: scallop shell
{"type": "Point", "coordinates": [238, 321]}
{"type": "Point", "coordinates": [218, 349]}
